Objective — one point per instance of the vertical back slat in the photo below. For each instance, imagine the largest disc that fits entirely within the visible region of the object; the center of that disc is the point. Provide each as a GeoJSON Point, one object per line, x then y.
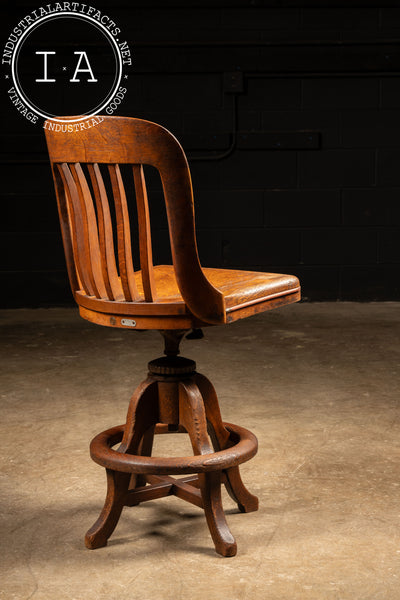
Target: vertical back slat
{"type": "Point", "coordinates": [64, 214]}
{"type": "Point", "coordinates": [146, 255]}
{"type": "Point", "coordinates": [90, 214]}
{"type": "Point", "coordinates": [80, 238]}
{"type": "Point", "coordinates": [109, 269]}
{"type": "Point", "coordinates": [123, 235]}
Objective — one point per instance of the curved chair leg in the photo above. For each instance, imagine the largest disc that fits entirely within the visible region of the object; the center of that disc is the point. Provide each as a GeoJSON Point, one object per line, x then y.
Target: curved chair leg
{"type": "Point", "coordinates": [210, 486]}
{"type": "Point", "coordinates": [142, 415]}
{"type": "Point", "coordinates": [213, 412]}
{"type": "Point", "coordinates": [235, 487]}
{"type": "Point", "coordinates": [145, 449]}
{"type": "Point", "coordinates": [193, 418]}
{"type": "Point", "coordinates": [117, 487]}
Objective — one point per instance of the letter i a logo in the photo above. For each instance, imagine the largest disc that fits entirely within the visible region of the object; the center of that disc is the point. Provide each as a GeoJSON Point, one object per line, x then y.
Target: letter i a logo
{"type": "Point", "coordinates": [79, 69]}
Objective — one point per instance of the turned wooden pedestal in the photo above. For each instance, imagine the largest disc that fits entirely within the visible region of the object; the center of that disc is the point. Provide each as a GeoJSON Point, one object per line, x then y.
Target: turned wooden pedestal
{"type": "Point", "coordinates": [174, 398]}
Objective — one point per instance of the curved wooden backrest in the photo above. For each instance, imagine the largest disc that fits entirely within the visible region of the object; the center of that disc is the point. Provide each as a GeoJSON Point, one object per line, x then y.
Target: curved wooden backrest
{"type": "Point", "coordinates": [77, 159]}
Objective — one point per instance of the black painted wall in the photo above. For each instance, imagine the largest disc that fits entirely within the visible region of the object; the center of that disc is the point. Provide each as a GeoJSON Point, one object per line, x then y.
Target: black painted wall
{"type": "Point", "coordinates": [311, 181]}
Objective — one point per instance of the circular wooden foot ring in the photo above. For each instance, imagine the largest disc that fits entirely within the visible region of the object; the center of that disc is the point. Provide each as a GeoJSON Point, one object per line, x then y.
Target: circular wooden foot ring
{"type": "Point", "coordinates": [102, 453]}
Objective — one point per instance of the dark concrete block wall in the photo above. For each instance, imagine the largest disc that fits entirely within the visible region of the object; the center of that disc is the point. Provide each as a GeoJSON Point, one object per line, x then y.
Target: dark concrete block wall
{"type": "Point", "coordinates": [312, 184]}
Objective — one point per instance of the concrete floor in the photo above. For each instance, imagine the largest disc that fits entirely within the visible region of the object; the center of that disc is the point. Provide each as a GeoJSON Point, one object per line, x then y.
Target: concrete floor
{"type": "Point", "coordinates": [317, 383]}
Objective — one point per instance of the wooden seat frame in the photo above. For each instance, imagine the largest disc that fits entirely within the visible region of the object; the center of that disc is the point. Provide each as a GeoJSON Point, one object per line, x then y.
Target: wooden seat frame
{"type": "Point", "coordinates": [173, 300]}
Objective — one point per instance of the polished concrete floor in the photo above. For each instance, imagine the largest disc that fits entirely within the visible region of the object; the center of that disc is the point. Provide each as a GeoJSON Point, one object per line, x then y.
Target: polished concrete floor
{"type": "Point", "coordinates": [318, 384]}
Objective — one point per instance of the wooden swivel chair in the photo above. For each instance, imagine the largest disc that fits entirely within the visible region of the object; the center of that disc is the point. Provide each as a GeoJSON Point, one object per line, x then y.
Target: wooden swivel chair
{"type": "Point", "coordinates": [95, 217]}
